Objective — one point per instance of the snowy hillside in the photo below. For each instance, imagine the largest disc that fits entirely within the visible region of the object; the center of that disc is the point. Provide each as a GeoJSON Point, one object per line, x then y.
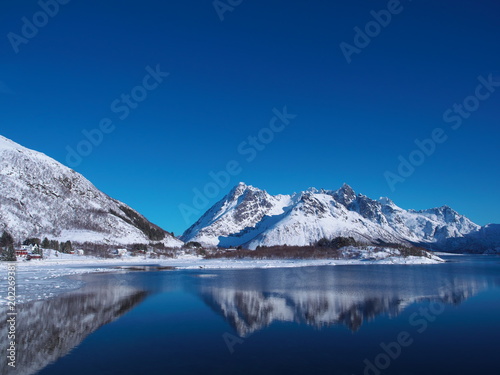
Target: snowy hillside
{"type": "Point", "coordinates": [40, 197]}
{"type": "Point", "coordinates": [251, 217]}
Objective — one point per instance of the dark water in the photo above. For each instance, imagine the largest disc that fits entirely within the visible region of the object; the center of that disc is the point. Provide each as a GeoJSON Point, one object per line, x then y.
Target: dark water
{"type": "Point", "coordinates": [380, 319]}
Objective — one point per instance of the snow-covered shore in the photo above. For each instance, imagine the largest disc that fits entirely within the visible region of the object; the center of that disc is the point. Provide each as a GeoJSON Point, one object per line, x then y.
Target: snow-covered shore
{"type": "Point", "coordinates": [40, 279]}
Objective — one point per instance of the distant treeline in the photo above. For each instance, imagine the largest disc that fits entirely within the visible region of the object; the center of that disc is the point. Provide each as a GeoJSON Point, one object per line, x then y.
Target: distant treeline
{"type": "Point", "coordinates": [322, 249]}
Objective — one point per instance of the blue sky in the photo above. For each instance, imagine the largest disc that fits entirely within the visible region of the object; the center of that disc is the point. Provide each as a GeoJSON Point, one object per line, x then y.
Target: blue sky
{"type": "Point", "coordinates": [353, 120]}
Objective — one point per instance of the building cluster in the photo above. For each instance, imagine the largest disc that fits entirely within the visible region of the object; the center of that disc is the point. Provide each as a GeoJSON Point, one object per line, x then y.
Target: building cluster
{"type": "Point", "coordinates": [35, 251]}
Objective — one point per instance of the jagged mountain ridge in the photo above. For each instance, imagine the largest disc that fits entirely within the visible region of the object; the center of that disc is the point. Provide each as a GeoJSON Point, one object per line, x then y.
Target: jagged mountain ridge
{"type": "Point", "coordinates": [40, 197]}
{"type": "Point", "coordinates": [251, 217]}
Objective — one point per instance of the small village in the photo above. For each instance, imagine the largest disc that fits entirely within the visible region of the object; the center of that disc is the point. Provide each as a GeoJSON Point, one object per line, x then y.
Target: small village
{"type": "Point", "coordinates": [35, 251]}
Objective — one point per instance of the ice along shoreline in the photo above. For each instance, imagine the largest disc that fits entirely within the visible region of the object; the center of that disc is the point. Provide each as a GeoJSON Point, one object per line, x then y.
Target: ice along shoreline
{"type": "Point", "coordinates": [47, 278]}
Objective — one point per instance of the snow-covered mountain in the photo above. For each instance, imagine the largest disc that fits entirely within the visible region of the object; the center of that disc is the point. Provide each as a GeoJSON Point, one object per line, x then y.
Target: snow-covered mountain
{"type": "Point", "coordinates": [250, 217]}
{"type": "Point", "coordinates": [40, 197]}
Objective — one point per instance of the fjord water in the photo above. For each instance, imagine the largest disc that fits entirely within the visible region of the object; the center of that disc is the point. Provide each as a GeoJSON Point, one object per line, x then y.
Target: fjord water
{"type": "Point", "coordinates": [311, 320]}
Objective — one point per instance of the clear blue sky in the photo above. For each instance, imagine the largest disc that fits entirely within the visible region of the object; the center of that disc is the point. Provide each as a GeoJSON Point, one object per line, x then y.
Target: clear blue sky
{"type": "Point", "coordinates": [353, 120]}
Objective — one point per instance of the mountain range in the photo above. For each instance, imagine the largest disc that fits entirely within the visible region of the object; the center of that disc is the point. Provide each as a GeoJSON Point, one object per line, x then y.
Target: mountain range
{"type": "Point", "coordinates": [40, 197]}
{"type": "Point", "coordinates": [250, 217]}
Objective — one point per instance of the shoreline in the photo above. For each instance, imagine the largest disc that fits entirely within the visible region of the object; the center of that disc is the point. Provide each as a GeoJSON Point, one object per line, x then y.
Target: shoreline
{"type": "Point", "coordinates": [43, 279]}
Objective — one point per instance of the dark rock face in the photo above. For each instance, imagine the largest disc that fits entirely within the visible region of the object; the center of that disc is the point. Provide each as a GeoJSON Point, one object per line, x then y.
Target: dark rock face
{"type": "Point", "coordinates": [313, 207]}
{"type": "Point", "coordinates": [252, 202]}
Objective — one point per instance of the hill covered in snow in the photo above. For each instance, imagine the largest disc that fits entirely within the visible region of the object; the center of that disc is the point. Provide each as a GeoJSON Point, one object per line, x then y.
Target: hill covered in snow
{"type": "Point", "coordinates": [40, 197]}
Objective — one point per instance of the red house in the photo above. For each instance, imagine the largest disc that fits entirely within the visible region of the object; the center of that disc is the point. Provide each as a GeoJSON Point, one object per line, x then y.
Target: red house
{"type": "Point", "coordinates": [21, 252]}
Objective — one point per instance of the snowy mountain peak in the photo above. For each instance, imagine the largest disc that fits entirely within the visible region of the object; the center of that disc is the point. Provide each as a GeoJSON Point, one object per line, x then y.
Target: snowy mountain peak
{"type": "Point", "coordinates": [386, 201]}
{"type": "Point", "coordinates": [312, 190]}
{"type": "Point", "coordinates": [241, 189]}
{"type": "Point", "coordinates": [446, 212]}
{"type": "Point", "coordinates": [345, 195]}
{"type": "Point", "coordinates": [346, 187]}
{"type": "Point", "coordinates": [241, 186]}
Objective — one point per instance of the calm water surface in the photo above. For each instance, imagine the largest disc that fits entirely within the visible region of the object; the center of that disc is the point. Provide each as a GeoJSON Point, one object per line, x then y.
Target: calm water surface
{"type": "Point", "coordinates": [369, 319]}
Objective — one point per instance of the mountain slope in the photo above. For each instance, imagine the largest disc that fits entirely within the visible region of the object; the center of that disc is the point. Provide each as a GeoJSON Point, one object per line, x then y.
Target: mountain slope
{"type": "Point", "coordinates": [486, 240]}
{"type": "Point", "coordinates": [251, 217]}
{"type": "Point", "coordinates": [40, 197]}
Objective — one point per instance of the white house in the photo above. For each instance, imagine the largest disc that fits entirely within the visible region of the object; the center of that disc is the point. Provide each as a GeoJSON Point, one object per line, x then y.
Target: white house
{"type": "Point", "coordinates": [30, 248]}
{"type": "Point", "coordinates": [122, 252]}
{"type": "Point", "coordinates": [119, 252]}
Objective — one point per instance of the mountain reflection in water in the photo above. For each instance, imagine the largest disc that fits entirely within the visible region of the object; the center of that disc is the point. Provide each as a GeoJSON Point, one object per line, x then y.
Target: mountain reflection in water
{"type": "Point", "coordinates": [49, 329]}
{"type": "Point", "coordinates": [322, 303]}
